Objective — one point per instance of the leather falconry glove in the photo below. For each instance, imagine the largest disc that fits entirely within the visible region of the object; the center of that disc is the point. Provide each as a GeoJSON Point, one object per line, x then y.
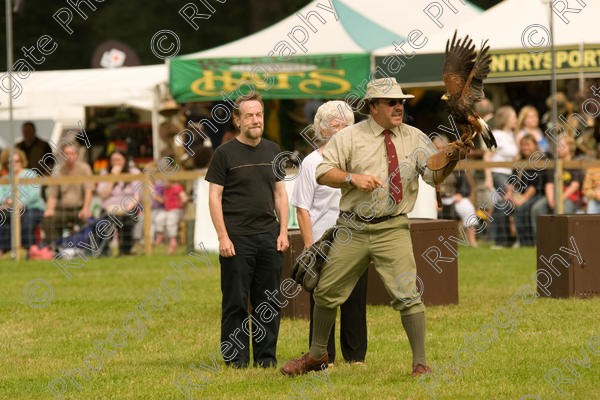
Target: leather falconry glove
{"type": "Point", "coordinates": [454, 151]}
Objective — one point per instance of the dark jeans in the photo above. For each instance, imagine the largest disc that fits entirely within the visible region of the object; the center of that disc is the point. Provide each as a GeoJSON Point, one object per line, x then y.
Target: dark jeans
{"type": "Point", "coordinates": [353, 319]}
{"type": "Point", "coordinates": [255, 269]}
{"type": "Point", "coordinates": [64, 218]}
{"type": "Point", "coordinates": [525, 232]}
{"type": "Point", "coordinates": [500, 229]}
{"type": "Point", "coordinates": [125, 231]}
{"type": "Point", "coordinates": [29, 221]}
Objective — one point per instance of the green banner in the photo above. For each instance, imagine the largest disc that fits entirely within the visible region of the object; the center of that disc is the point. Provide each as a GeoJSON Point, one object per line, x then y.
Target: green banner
{"type": "Point", "coordinates": [516, 63]}
{"type": "Point", "coordinates": [326, 76]}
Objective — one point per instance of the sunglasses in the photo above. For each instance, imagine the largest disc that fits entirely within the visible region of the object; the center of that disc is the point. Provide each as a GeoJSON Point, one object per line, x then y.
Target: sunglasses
{"type": "Point", "coordinates": [392, 103]}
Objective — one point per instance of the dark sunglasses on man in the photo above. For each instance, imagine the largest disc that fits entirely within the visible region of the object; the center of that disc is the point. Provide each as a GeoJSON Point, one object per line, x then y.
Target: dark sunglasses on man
{"type": "Point", "coordinates": [393, 102]}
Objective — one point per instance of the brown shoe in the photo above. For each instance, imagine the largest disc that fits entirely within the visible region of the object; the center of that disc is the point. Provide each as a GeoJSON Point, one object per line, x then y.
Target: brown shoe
{"type": "Point", "coordinates": [303, 364]}
{"type": "Point", "coordinates": [420, 369]}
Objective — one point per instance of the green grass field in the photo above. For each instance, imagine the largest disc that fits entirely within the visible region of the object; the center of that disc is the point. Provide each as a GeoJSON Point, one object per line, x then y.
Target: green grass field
{"type": "Point", "coordinates": [36, 344]}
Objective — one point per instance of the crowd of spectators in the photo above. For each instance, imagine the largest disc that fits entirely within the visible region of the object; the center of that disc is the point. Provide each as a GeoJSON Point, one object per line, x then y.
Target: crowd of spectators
{"type": "Point", "coordinates": [518, 136]}
{"type": "Point", "coordinates": [49, 214]}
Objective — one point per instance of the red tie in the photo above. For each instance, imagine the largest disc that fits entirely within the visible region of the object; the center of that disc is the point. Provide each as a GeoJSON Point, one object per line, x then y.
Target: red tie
{"type": "Point", "coordinates": [395, 182]}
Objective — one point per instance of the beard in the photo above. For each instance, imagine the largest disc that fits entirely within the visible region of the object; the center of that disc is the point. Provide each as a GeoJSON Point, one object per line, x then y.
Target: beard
{"type": "Point", "coordinates": [253, 132]}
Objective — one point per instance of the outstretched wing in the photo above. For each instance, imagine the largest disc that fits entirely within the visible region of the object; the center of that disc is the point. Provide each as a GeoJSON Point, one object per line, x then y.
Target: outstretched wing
{"type": "Point", "coordinates": [473, 88]}
{"type": "Point", "coordinates": [458, 64]}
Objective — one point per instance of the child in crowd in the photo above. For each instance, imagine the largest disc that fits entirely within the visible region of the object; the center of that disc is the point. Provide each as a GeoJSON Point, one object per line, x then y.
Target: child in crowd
{"type": "Point", "coordinates": [173, 197]}
{"type": "Point", "coordinates": [157, 206]}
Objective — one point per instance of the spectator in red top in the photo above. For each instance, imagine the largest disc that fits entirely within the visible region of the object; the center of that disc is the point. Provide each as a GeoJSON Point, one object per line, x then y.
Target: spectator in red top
{"type": "Point", "coordinates": [173, 198]}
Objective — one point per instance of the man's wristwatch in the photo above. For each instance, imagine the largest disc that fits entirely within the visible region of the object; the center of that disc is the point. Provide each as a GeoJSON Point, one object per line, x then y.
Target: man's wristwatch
{"type": "Point", "coordinates": [349, 179]}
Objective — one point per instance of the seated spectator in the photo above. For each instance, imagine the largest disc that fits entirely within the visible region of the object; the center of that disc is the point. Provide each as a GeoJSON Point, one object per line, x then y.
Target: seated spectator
{"type": "Point", "coordinates": [69, 203]}
{"type": "Point", "coordinates": [115, 195]}
{"type": "Point", "coordinates": [28, 202]}
{"type": "Point", "coordinates": [525, 195]}
{"type": "Point", "coordinates": [455, 192]}
{"type": "Point", "coordinates": [156, 204]}
{"type": "Point", "coordinates": [33, 147]}
{"type": "Point", "coordinates": [591, 188]}
{"type": "Point", "coordinates": [506, 150]}
{"type": "Point", "coordinates": [571, 178]}
{"type": "Point", "coordinates": [529, 124]}
{"type": "Point", "coordinates": [174, 196]}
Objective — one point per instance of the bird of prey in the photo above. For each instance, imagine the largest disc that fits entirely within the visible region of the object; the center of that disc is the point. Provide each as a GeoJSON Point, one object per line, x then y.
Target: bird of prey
{"type": "Point", "coordinates": [463, 74]}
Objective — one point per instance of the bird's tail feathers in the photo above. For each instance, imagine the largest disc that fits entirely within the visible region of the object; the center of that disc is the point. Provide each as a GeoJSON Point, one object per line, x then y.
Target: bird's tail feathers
{"type": "Point", "coordinates": [485, 140]}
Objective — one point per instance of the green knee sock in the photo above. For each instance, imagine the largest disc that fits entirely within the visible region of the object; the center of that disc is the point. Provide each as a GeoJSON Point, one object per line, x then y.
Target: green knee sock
{"type": "Point", "coordinates": [414, 325]}
{"type": "Point", "coordinates": [323, 319]}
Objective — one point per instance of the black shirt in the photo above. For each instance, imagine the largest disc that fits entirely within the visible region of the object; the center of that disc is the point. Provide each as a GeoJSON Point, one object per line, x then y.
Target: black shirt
{"type": "Point", "coordinates": [537, 182]}
{"type": "Point", "coordinates": [246, 173]}
{"type": "Point", "coordinates": [569, 176]}
{"type": "Point", "coordinates": [35, 152]}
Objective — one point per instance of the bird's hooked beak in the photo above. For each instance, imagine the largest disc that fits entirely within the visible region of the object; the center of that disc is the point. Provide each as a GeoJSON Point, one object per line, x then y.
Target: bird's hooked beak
{"type": "Point", "coordinates": [445, 97]}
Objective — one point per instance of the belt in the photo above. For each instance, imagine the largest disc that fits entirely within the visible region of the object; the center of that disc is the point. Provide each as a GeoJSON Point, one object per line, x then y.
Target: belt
{"type": "Point", "coordinates": [375, 220]}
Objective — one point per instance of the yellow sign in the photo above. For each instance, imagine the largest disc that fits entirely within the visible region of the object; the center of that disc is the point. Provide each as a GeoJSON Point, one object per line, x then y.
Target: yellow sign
{"type": "Point", "coordinates": [330, 82]}
{"type": "Point", "coordinates": [568, 60]}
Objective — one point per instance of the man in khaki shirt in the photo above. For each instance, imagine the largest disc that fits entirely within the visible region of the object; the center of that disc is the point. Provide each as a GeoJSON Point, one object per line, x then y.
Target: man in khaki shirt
{"type": "Point", "coordinates": [376, 163]}
{"type": "Point", "coordinates": [67, 203]}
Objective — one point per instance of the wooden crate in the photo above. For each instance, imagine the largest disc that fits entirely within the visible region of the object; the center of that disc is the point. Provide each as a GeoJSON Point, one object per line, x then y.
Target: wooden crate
{"type": "Point", "coordinates": [438, 288]}
{"type": "Point", "coordinates": [570, 274]}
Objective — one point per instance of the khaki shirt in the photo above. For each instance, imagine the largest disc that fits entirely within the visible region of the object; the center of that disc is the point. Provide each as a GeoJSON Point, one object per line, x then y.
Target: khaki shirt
{"type": "Point", "coordinates": [360, 149]}
{"type": "Point", "coordinates": [71, 195]}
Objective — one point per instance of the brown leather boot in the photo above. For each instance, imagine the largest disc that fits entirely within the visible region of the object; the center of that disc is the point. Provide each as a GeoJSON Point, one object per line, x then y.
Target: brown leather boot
{"type": "Point", "coordinates": [303, 364]}
{"type": "Point", "coordinates": [420, 369]}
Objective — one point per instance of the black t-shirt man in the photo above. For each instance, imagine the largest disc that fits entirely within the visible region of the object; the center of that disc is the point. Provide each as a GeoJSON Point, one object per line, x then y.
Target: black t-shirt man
{"type": "Point", "coordinates": [569, 176]}
{"type": "Point", "coordinates": [245, 194]}
{"type": "Point", "coordinates": [247, 176]}
{"type": "Point", "coordinates": [35, 152]}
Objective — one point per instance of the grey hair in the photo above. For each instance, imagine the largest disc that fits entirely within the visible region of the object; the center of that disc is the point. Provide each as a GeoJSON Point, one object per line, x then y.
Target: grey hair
{"type": "Point", "coordinates": [337, 110]}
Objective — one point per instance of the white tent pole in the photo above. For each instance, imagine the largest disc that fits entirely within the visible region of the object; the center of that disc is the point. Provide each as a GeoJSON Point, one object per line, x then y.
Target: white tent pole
{"type": "Point", "coordinates": [155, 137]}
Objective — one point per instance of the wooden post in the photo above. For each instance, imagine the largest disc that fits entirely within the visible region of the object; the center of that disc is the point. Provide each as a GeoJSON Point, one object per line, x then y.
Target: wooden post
{"type": "Point", "coordinates": [147, 204]}
{"type": "Point", "coordinates": [559, 172]}
{"type": "Point", "coordinates": [17, 232]}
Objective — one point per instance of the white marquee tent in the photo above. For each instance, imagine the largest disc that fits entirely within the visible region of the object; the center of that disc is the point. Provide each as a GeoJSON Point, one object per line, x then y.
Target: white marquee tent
{"type": "Point", "coordinates": [519, 39]}
{"type": "Point", "coordinates": [363, 26]}
{"type": "Point", "coordinates": [62, 95]}
{"type": "Point", "coordinates": [505, 23]}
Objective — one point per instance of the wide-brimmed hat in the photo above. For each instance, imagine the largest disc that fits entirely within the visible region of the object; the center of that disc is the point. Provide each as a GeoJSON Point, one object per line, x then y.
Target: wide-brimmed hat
{"type": "Point", "coordinates": [381, 89]}
{"type": "Point", "coordinates": [168, 108]}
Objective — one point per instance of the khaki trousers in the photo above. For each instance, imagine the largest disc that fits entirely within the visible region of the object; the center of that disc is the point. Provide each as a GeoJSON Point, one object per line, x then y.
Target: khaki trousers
{"type": "Point", "coordinates": [389, 245]}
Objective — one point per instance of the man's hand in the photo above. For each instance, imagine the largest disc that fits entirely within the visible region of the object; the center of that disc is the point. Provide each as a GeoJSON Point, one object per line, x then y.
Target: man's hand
{"type": "Point", "coordinates": [282, 242]}
{"type": "Point", "coordinates": [49, 213]}
{"type": "Point", "coordinates": [84, 214]}
{"type": "Point", "coordinates": [519, 200]}
{"type": "Point", "coordinates": [226, 248]}
{"type": "Point", "coordinates": [366, 183]}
